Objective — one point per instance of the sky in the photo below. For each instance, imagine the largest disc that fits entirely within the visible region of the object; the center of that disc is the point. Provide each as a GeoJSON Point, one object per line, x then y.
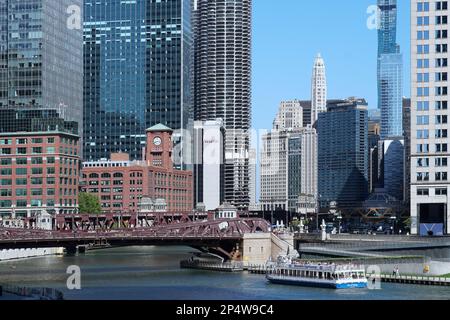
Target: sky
{"type": "Point", "coordinates": [288, 34]}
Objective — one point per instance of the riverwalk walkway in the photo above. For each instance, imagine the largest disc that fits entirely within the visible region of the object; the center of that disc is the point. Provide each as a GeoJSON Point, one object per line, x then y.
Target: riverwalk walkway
{"type": "Point", "coordinates": [418, 280]}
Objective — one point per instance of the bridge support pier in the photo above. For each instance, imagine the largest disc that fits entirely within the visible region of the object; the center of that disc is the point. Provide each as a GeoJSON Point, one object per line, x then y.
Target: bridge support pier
{"type": "Point", "coordinates": [71, 251]}
{"type": "Point", "coordinates": [258, 248]}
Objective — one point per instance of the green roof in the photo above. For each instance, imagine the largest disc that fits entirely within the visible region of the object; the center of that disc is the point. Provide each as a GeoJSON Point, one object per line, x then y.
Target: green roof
{"type": "Point", "coordinates": [159, 128]}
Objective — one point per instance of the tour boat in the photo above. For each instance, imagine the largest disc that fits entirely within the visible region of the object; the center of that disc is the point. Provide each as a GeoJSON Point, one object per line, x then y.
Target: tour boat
{"type": "Point", "coordinates": [318, 275]}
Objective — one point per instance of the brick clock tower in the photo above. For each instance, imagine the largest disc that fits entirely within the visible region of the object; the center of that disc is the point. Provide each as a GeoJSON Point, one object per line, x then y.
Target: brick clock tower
{"type": "Point", "coordinates": [159, 147]}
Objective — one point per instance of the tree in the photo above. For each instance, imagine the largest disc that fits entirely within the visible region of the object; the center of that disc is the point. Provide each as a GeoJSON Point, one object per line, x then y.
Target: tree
{"type": "Point", "coordinates": [407, 223]}
{"type": "Point", "coordinates": [89, 203]}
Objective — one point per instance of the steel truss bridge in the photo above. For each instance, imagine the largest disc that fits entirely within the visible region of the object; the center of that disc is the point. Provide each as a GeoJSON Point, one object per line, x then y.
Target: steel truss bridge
{"type": "Point", "coordinates": [221, 236]}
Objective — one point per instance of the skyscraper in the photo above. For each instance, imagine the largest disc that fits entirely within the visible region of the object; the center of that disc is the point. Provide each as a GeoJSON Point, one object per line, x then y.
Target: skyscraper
{"type": "Point", "coordinates": [319, 89]}
{"type": "Point", "coordinates": [391, 95]}
{"type": "Point", "coordinates": [41, 59]}
{"type": "Point", "coordinates": [343, 153]}
{"type": "Point", "coordinates": [137, 57]}
{"type": "Point", "coordinates": [390, 71]}
{"type": "Point", "coordinates": [387, 28]}
{"type": "Point", "coordinates": [288, 161]}
{"type": "Point", "coordinates": [302, 170]}
{"type": "Point", "coordinates": [407, 135]}
{"type": "Point", "coordinates": [289, 116]}
{"type": "Point", "coordinates": [223, 84]}
{"type": "Point", "coordinates": [430, 205]}
{"type": "Point", "coordinates": [390, 101]}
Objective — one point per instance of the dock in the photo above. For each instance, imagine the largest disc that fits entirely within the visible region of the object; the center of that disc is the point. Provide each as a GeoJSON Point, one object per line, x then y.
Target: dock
{"type": "Point", "coordinates": [256, 269]}
{"type": "Point", "coordinates": [417, 280]}
{"type": "Point", "coordinates": [209, 266]}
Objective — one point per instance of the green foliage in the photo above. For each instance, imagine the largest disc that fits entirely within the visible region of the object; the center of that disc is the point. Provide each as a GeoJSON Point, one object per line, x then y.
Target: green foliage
{"type": "Point", "coordinates": [89, 204]}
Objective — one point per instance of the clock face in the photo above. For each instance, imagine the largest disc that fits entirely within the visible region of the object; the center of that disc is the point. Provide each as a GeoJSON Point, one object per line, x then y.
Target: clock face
{"type": "Point", "coordinates": [157, 141]}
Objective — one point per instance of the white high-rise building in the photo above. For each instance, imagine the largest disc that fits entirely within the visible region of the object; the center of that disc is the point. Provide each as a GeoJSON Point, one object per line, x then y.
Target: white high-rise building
{"type": "Point", "coordinates": [288, 167]}
{"type": "Point", "coordinates": [290, 116]}
{"type": "Point", "coordinates": [274, 171]}
{"type": "Point", "coordinates": [430, 153]}
{"type": "Point", "coordinates": [319, 89]}
{"type": "Point", "coordinates": [209, 151]}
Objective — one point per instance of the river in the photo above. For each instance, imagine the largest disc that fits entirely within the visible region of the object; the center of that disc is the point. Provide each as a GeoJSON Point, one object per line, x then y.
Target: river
{"type": "Point", "coordinates": [153, 273]}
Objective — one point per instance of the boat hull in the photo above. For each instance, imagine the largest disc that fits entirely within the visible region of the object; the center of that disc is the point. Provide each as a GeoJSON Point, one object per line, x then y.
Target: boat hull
{"type": "Point", "coordinates": [326, 285]}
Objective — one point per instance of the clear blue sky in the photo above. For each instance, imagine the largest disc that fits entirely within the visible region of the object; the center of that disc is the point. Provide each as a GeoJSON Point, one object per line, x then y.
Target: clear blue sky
{"type": "Point", "coordinates": [287, 35]}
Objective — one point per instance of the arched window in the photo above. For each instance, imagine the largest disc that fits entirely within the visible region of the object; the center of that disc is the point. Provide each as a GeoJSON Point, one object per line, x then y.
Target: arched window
{"type": "Point", "coordinates": [93, 176]}
{"type": "Point", "coordinates": [106, 175]}
{"type": "Point", "coordinates": [118, 175]}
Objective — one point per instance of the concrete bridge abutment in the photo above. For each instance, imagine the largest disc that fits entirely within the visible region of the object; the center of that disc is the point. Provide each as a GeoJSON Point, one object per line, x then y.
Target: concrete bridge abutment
{"type": "Point", "coordinates": [259, 248]}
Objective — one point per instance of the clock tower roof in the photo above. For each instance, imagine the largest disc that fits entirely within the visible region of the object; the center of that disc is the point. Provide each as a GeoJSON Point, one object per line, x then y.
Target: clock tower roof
{"type": "Point", "coordinates": [159, 128]}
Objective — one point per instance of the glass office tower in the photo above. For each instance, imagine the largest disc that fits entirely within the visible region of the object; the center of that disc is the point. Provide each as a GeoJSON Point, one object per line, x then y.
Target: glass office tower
{"type": "Point", "coordinates": [343, 153]}
{"type": "Point", "coordinates": [390, 71]}
{"type": "Point", "coordinates": [41, 59]}
{"type": "Point", "coordinates": [387, 28]}
{"type": "Point", "coordinates": [137, 72]}
{"type": "Point", "coordinates": [390, 80]}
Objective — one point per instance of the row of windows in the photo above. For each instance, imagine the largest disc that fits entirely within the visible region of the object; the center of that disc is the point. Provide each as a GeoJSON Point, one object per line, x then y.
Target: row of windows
{"type": "Point", "coordinates": [425, 48]}
{"type": "Point", "coordinates": [425, 134]}
{"type": "Point", "coordinates": [439, 148]}
{"type": "Point", "coordinates": [425, 63]}
{"type": "Point", "coordinates": [38, 150]}
{"type": "Point", "coordinates": [437, 192]}
{"type": "Point", "coordinates": [439, 76]}
{"type": "Point", "coordinates": [24, 192]}
{"type": "Point", "coordinates": [425, 120]}
{"type": "Point", "coordinates": [439, 176]}
{"type": "Point", "coordinates": [438, 162]}
{"type": "Point", "coordinates": [105, 183]}
{"type": "Point", "coordinates": [425, 105]}
{"type": "Point", "coordinates": [425, 20]}
{"type": "Point", "coordinates": [22, 141]}
{"type": "Point", "coordinates": [36, 160]}
{"type": "Point", "coordinates": [103, 175]}
{"type": "Point", "coordinates": [425, 6]}
{"type": "Point", "coordinates": [425, 34]}
{"type": "Point", "coordinates": [425, 91]}
{"type": "Point", "coordinates": [36, 203]}
{"type": "Point", "coordinates": [24, 171]}
{"type": "Point", "coordinates": [37, 181]}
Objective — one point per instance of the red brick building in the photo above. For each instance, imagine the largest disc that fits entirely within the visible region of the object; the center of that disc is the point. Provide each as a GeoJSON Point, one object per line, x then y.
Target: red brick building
{"type": "Point", "coordinates": [38, 171]}
{"type": "Point", "coordinates": [120, 183]}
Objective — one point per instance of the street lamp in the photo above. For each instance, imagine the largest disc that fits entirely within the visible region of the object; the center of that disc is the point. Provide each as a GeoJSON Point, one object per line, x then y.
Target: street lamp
{"type": "Point", "coordinates": [339, 217]}
{"type": "Point", "coordinates": [394, 220]}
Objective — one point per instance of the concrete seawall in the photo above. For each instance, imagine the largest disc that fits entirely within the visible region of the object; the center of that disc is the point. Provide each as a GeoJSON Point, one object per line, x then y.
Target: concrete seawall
{"type": "Point", "coordinates": [12, 254]}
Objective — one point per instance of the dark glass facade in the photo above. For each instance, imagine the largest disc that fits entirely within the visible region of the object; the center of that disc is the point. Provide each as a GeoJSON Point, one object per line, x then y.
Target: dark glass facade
{"type": "Point", "coordinates": [343, 153]}
{"type": "Point", "coordinates": [41, 58]}
{"type": "Point", "coordinates": [137, 72]}
{"type": "Point", "coordinates": [294, 170]}
{"type": "Point", "coordinates": [12, 121]}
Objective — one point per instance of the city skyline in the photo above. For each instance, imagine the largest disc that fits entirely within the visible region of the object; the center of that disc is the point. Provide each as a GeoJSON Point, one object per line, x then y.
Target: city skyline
{"type": "Point", "coordinates": [292, 67]}
{"type": "Point", "coordinates": [191, 181]}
